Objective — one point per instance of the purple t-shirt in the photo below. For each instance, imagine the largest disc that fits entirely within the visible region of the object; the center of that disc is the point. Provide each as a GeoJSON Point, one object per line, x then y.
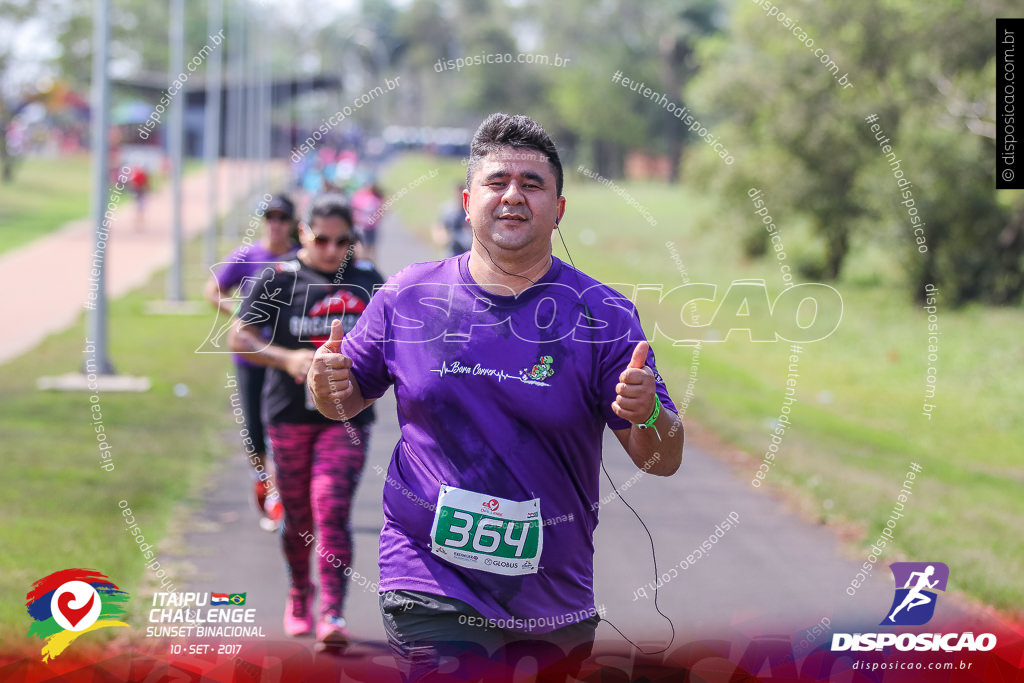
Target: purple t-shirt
{"type": "Point", "coordinates": [245, 262]}
{"type": "Point", "coordinates": [505, 396]}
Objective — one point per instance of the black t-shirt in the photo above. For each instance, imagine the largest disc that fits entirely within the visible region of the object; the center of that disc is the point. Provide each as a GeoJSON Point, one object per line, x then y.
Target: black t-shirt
{"type": "Point", "coordinates": [294, 305]}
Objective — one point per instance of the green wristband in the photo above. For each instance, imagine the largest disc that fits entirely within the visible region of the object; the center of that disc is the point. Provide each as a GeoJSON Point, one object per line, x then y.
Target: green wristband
{"type": "Point", "coordinates": [654, 415]}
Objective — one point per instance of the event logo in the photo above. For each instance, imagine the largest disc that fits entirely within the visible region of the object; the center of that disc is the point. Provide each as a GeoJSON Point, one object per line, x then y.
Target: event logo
{"type": "Point", "coordinates": [914, 602]}
{"type": "Point", "coordinates": [68, 603]}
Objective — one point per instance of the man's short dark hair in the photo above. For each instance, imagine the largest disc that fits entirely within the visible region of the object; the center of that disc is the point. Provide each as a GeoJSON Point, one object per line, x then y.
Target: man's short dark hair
{"type": "Point", "coordinates": [327, 205]}
{"type": "Point", "coordinates": [512, 130]}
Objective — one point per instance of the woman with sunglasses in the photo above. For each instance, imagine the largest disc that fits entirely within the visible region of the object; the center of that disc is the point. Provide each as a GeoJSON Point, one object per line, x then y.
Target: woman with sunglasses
{"type": "Point", "coordinates": [318, 460]}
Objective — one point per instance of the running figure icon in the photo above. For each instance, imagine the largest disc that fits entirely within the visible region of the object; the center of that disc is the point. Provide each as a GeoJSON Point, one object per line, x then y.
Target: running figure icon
{"type": "Point", "coordinates": [916, 597]}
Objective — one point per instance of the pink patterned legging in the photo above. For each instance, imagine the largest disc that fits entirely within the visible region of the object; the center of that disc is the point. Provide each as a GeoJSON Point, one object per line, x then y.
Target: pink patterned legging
{"type": "Point", "coordinates": [318, 469]}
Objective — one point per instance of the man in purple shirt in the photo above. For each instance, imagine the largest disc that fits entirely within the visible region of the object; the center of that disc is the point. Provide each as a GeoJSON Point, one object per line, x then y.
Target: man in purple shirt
{"type": "Point", "coordinates": [507, 364]}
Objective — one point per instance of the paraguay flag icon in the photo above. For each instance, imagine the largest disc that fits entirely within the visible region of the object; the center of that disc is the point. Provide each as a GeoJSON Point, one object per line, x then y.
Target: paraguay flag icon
{"type": "Point", "coordinates": [917, 584]}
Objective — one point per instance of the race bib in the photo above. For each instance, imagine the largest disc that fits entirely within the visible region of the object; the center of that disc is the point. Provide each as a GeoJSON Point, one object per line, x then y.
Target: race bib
{"type": "Point", "coordinates": [487, 533]}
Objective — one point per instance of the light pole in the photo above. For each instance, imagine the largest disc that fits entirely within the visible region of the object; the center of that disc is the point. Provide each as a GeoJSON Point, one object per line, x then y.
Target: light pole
{"type": "Point", "coordinates": [211, 140]}
{"type": "Point", "coordinates": [97, 359]}
{"type": "Point", "coordinates": [175, 133]}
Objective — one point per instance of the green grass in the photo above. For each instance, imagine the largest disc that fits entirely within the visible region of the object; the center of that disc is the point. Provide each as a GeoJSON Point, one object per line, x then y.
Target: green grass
{"type": "Point", "coordinates": [47, 193]}
{"type": "Point", "coordinates": [44, 195]}
{"type": "Point", "coordinates": [858, 423]}
{"type": "Point", "coordinates": [419, 207]}
{"type": "Point", "coordinates": [61, 509]}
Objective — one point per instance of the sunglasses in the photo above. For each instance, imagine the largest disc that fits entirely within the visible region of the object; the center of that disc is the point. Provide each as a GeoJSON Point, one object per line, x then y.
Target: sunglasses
{"type": "Point", "coordinates": [324, 240]}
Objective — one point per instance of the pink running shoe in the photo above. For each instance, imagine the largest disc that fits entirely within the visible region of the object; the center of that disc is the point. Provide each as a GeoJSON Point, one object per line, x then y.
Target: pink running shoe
{"type": "Point", "coordinates": [331, 632]}
{"type": "Point", "coordinates": [298, 613]}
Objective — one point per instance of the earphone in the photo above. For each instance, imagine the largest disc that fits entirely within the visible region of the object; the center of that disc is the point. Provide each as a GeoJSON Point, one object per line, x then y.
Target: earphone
{"type": "Point", "coordinates": [616, 490]}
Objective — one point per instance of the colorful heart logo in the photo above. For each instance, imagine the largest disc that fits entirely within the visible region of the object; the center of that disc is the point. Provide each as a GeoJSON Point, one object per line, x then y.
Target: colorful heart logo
{"type": "Point", "coordinates": [71, 602]}
{"type": "Point", "coordinates": [75, 605]}
{"type": "Point", "coordinates": [72, 614]}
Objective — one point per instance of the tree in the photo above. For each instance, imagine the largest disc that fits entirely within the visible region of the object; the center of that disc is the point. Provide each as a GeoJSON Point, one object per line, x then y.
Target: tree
{"type": "Point", "coordinates": [789, 123]}
{"type": "Point", "coordinates": [677, 27]}
{"type": "Point", "coordinates": [589, 110]}
{"type": "Point", "coordinates": [800, 133]}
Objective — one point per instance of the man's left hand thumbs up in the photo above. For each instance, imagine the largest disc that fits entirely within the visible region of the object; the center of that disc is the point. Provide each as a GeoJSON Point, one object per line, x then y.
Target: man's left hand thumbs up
{"type": "Point", "coordinates": [634, 400]}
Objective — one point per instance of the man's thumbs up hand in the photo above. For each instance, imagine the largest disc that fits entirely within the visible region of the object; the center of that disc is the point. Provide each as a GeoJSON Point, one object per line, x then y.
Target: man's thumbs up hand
{"type": "Point", "coordinates": [634, 399]}
{"type": "Point", "coordinates": [329, 377]}
{"type": "Point", "coordinates": [333, 343]}
{"type": "Point", "coordinates": [639, 359]}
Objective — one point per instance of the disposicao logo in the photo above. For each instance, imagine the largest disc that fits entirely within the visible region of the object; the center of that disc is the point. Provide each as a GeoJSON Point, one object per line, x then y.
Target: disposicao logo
{"type": "Point", "coordinates": [68, 603]}
{"type": "Point", "coordinates": [913, 605]}
{"type": "Point", "coordinates": [914, 602]}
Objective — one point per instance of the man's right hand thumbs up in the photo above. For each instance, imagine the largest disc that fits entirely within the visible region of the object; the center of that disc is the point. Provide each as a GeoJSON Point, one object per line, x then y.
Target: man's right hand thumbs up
{"type": "Point", "coordinates": [333, 343]}
{"type": "Point", "coordinates": [329, 379]}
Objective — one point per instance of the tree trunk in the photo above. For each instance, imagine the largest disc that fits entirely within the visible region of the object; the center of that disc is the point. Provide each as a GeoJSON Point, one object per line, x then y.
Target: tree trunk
{"type": "Point", "coordinates": [1010, 262]}
{"type": "Point", "coordinates": [675, 52]}
{"type": "Point", "coordinates": [926, 276]}
{"type": "Point", "coordinates": [608, 158]}
{"type": "Point", "coordinates": [835, 253]}
{"type": "Point", "coordinates": [671, 60]}
{"type": "Point", "coordinates": [6, 160]}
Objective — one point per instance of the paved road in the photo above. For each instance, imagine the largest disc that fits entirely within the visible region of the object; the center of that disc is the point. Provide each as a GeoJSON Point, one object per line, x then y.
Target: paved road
{"type": "Point", "coordinates": [771, 574]}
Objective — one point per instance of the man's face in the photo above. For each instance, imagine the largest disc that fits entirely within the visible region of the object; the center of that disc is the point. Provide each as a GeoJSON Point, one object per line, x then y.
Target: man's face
{"type": "Point", "coordinates": [512, 202]}
{"type": "Point", "coordinates": [321, 241]}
